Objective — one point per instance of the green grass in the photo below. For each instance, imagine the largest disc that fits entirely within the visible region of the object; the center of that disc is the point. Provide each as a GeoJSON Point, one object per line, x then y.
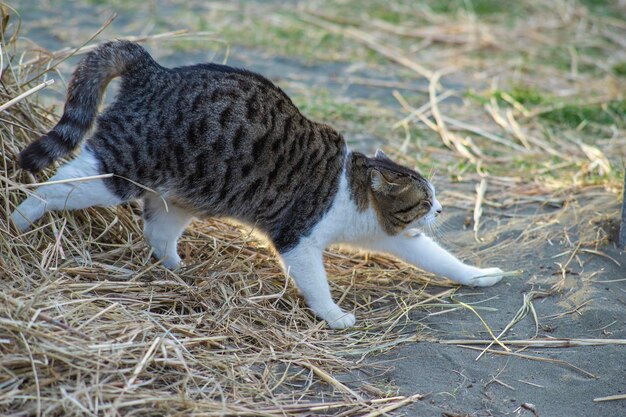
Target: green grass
{"type": "Point", "coordinates": [288, 36]}
{"type": "Point", "coordinates": [397, 12]}
{"type": "Point", "coordinates": [574, 115]}
{"type": "Point", "coordinates": [597, 3]}
{"type": "Point", "coordinates": [382, 11]}
{"type": "Point", "coordinates": [560, 57]}
{"type": "Point", "coordinates": [409, 12]}
{"type": "Point", "coordinates": [125, 5]}
{"type": "Point", "coordinates": [321, 105]}
{"type": "Point", "coordinates": [620, 69]}
{"type": "Point", "coordinates": [523, 94]}
{"type": "Point", "coordinates": [602, 7]}
{"type": "Point", "coordinates": [479, 7]}
{"type": "Point", "coordinates": [569, 114]}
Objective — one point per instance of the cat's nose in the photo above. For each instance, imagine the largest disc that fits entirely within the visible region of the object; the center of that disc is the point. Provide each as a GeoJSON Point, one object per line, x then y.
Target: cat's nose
{"type": "Point", "coordinates": [437, 207]}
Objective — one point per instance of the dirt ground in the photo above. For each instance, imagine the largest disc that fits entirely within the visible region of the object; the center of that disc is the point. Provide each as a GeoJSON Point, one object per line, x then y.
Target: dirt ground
{"type": "Point", "coordinates": [499, 385]}
{"type": "Point", "coordinates": [576, 295]}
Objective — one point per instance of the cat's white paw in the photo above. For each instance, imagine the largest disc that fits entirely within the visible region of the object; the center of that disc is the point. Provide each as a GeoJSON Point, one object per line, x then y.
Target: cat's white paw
{"type": "Point", "coordinates": [486, 277]}
{"type": "Point", "coordinates": [21, 222]}
{"type": "Point", "coordinates": [346, 320]}
{"type": "Point", "coordinates": [28, 212]}
{"type": "Point", "coordinates": [172, 262]}
{"type": "Point", "coordinates": [338, 319]}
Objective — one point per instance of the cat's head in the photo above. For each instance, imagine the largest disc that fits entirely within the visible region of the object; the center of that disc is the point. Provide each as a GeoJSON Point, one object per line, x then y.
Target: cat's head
{"type": "Point", "coordinates": [402, 197]}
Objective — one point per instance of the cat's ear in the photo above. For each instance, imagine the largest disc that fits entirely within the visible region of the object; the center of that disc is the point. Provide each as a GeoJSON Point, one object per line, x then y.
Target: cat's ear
{"type": "Point", "coordinates": [380, 155]}
{"type": "Point", "coordinates": [380, 184]}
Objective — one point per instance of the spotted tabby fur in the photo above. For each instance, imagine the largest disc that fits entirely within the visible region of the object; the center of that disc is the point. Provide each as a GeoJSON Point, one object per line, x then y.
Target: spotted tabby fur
{"type": "Point", "coordinates": [217, 141]}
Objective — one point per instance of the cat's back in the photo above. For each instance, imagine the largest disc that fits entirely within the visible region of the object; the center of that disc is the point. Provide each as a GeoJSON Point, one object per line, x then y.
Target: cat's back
{"type": "Point", "coordinates": [203, 89]}
{"type": "Point", "coordinates": [161, 117]}
{"type": "Point", "coordinates": [206, 102]}
{"type": "Point", "coordinates": [225, 141]}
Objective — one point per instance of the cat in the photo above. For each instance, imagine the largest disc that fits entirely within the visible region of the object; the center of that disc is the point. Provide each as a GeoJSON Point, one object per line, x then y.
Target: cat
{"type": "Point", "coordinates": [212, 140]}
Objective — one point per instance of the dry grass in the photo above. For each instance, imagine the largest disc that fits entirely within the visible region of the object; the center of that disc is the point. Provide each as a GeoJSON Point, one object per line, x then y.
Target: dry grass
{"type": "Point", "coordinates": [90, 325]}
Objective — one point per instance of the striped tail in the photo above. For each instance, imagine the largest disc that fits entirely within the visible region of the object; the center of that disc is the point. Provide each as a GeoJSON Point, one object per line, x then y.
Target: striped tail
{"type": "Point", "coordinates": [84, 94]}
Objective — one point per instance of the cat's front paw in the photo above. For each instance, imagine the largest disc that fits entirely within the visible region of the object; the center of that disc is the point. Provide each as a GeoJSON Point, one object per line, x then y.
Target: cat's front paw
{"type": "Point", "coordinates": [485, 277]}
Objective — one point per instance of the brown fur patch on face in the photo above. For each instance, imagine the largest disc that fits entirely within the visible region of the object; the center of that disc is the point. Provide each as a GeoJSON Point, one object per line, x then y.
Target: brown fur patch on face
{"type": "Point", "coordinates": [399, 195]}
{"type": "Point", "coordinates": [398, 199]}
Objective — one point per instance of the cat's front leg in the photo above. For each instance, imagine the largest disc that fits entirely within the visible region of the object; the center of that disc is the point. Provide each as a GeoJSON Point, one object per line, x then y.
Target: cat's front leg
{"type": "Point", "coordinates": [426, 254]}
{"type": "Point", "coordinates": [304, 264]}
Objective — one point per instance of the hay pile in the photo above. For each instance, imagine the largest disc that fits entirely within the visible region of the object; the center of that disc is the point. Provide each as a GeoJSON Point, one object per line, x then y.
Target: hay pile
{"type": "Point", "coordinates": [90, 325]}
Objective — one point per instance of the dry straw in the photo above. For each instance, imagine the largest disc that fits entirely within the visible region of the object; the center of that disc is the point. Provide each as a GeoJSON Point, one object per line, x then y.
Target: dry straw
{"type": "Point", "coordinates": [91, 325]}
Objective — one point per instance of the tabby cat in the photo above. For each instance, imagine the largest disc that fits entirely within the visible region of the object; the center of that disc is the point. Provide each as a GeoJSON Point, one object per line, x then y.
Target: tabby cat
{"type": "Point", "coordinates": [212, 140]}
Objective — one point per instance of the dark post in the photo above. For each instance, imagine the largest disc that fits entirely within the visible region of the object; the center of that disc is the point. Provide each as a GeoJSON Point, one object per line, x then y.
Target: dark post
{"type": "Point", "coordinates": [622, 228]}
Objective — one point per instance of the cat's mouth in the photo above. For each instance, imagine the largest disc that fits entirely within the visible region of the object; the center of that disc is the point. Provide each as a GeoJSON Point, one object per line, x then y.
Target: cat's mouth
{"type": "Point", "coordinates": [430, 219]}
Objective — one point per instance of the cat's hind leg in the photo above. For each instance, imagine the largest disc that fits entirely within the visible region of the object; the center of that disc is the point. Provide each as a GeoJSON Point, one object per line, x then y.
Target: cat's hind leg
{"type": "Point", "coordinates": [164, 222]}
{"type": "Point", "coordinates": [64, 194]}
{"type": "Point", "coordinates": [304, 264]}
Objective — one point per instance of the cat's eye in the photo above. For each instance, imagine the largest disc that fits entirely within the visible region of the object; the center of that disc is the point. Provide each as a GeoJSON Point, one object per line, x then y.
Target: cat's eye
{"type": "Point", "coordinates": [427, 204]}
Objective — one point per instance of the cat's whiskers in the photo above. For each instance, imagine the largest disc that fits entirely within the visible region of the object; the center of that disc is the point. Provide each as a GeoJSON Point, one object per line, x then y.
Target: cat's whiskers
{"type": "Point", "coordinates": [437, 228]}
{"type": "Point", "coordinates": [433, 230]}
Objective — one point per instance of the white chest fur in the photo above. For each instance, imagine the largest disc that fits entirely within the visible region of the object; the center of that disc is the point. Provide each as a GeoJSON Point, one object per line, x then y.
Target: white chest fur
{"type": "Point", "coordinates": [343, 223]}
